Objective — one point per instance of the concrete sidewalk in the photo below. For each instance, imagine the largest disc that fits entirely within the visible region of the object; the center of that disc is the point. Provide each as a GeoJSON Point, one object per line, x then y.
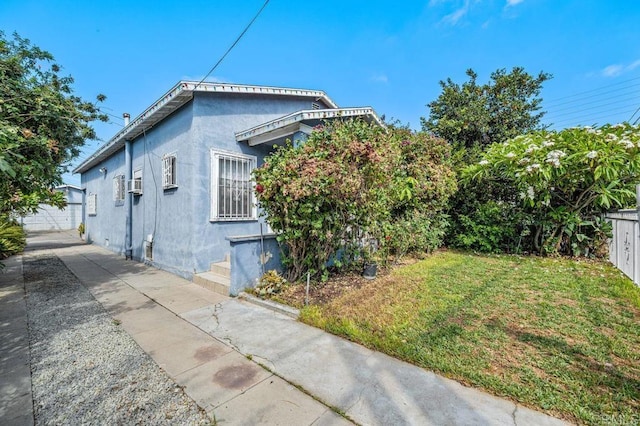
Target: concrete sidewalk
{"type": "Point", "coordinates": [16, 404]}
{"type": "Point", "coordinates": [240, 361]}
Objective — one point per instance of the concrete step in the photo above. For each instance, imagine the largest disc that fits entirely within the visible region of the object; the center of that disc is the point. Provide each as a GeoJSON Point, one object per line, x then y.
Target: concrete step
{"type": "Point", "coordinates": [221, 268]}
{"type": "Point", "coordinates": [214, 282]}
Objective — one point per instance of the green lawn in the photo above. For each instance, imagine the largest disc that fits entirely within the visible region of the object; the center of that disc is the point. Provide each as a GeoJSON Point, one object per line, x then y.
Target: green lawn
{"type": "Point", "coordinates": [557, 335]}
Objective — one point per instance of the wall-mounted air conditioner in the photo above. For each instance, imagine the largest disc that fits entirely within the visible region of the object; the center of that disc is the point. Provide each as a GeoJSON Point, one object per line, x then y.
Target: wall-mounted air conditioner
{"type": "Point", "coordinates": [134, 186]}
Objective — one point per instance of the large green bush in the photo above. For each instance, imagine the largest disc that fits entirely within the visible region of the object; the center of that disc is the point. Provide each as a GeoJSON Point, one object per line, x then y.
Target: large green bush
{"type": "Point", "coordinates": [351, 191]}
{"type": "Point", "coordinates": [423, 181]}
{"type": "Point", "coordinates": [565, 182]}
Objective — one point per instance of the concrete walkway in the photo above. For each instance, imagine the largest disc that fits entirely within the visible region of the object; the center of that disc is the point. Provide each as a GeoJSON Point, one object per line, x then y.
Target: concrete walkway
{"type": "Point", "coordinates": [16, 404]}
{"type": "Point", "coordinates": [239, 361]}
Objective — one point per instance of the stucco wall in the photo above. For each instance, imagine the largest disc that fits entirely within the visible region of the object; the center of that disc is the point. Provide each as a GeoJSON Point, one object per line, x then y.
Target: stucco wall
{"type": "Point", "coordinates": [166, 215]}
{"type": "Point", "coordinates": [185, 240]}
{"type": "Point", "coordinates": [107, 227]}
{"type": "Point", "coordinates": [216, 120]}
{"type": "Point", "coordinates": [247, 257]}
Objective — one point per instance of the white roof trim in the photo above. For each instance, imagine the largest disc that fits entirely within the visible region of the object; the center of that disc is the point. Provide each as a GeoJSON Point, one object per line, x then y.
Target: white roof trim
{"type": "Point", "coordinates": [66, 185]}
{"type": "Point", "coordinates": [175, 98]}
{"type": "Point", "coordinates": [288, 124]}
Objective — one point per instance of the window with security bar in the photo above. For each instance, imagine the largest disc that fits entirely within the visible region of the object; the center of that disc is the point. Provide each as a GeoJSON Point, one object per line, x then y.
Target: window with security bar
{"type": "Point", "coordinates": [169, 171]}
{"type": "Point", "coordinates": [118, 189]}
{"type": "Point", "coordinates": [92, 204]}
{"type": "Point", "coordinates": [232, 187]}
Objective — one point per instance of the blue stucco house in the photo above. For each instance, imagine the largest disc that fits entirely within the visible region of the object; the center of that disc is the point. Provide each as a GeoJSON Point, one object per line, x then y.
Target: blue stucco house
{"type": "Point", "coordinates": [173, 188]}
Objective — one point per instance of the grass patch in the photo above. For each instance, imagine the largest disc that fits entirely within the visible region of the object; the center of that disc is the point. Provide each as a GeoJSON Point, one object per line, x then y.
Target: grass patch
{"type": "Point", "coordinates": [555, 334]}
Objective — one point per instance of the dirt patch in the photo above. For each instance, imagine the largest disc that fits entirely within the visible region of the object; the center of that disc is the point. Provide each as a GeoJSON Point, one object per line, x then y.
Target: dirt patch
{"type": "Point", "coordinates": [321, 293]}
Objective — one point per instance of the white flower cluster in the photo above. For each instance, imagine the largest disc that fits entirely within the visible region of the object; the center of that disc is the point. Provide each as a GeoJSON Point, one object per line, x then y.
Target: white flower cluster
{"type": "Point", "coordinates": [592, 154]}
{"type": "Point", "coordinates": [627, 143]}
{"type": "Point", "coordinates": [554, 157]}
{"type": "Point", "coordinates": [533, 167]}
{"type": "Point", "coordinates": [483, 162]}
{"type": "Point", "coordinates": [529, 194]}
{"type": "Point", "coordinates": [532, 147]}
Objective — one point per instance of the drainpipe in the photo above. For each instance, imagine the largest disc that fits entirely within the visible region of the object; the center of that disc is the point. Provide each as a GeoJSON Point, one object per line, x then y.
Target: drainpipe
{"type": "Point", "coordinates": [128, 199]}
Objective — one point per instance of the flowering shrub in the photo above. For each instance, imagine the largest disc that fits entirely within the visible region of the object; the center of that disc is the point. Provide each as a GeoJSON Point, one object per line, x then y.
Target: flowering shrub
{"type": "Point", "coordinates": [322, 195]}
{"type": "Point", "coordinates": [566, 180]}
{"type": "Point", "coordinates": [336, 196]}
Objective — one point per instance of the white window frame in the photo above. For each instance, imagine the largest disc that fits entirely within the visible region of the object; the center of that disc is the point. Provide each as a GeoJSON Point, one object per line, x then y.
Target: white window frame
{"type": "Point", "coordinates": [92, 204]}
{"type": "Point", "coordinates": [119, 189]}
{"type": "Point", "coordinates": [169, 171]}
{"type": "Point", "coordinates": [230, 157]}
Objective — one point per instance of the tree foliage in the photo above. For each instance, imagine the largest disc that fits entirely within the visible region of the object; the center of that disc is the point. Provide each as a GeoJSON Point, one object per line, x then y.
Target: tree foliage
{"type": "Point", "coordinates": [565, 182]}
{"type": "Point", "coordinates": [337, 197]}
{"type": "Point", "coordinates": [475, 115]}
{"type": "Point", "coordinates": [42, 126]}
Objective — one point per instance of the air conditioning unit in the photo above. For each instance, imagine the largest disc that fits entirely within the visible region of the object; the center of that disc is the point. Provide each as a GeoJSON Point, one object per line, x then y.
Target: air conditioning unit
{"type": "Point", "coordinates": [134, 186]}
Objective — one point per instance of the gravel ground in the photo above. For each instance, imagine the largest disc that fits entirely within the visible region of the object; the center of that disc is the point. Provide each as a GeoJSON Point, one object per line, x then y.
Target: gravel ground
{"type": "Point", "coordinates": [85, 369]}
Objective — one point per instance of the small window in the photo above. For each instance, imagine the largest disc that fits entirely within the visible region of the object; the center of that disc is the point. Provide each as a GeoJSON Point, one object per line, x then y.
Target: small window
{"type": "Point", "coordinates": [92, 204]}
{"type": "Point", "coordinates": [169, 171]}
{"type": "Point", "coordinates": [118, 189]}
{"type": "Point", "coordinates": [232, 186]}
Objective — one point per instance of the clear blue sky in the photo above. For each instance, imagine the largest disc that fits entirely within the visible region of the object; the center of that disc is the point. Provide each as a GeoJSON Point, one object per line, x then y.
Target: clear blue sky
{"type": "Point", "coordinates": [386, 54]}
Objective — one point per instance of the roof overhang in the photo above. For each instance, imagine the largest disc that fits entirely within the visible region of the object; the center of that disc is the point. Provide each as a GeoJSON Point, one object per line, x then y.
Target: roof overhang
{"type": "Point", "coordinates": [67, 187]}
{"type": "Point", "coordinates": [175, 98]}
{"type": "Point", "coordinates": [301, 121]}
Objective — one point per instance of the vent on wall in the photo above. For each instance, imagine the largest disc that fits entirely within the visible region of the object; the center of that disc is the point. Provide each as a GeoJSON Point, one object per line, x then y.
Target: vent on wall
{"type": "Point", "coordinates": [148, 250]}
{"type": "Point", "coordinates": [315, 105]}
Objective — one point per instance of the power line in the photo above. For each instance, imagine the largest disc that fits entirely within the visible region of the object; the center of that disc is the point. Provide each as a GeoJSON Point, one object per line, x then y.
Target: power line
{"type": "Point", "coordinates": [591, 96]}
{"type": "Point", "coordinates": [594, 90]}
{"type": "Point", "coordinates": [633, 99]}
{"type": "Point", "coordinates": [234, 43]}
{"type": "Point", "coordinates": [593, 116]}
{"type": "Point", "coordinates": [607, 102]}
{"type": "Point", "coordinates": [619, 103]}
{"type": "Point", "coordinates": [634, 113]}
{"type": "Point", "coordinates": [114, 116]}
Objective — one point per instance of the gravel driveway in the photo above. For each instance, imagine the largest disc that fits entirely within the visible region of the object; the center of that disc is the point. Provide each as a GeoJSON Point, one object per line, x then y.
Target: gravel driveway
{"type": "Point", "coordinates": [85, 369]}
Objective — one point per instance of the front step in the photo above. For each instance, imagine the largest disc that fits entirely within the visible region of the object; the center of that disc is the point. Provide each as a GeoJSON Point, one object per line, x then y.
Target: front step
{"type": "Point", "coordinates": [217, 279]}
{"type": "Point", "coordinates": [213, 282]}
{"type": "Point", "coordinates": [221, 268]}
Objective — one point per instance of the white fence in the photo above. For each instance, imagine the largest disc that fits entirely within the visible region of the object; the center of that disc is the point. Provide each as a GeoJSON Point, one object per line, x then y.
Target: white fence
{"type": "Point", "coordinates": [624, 247]}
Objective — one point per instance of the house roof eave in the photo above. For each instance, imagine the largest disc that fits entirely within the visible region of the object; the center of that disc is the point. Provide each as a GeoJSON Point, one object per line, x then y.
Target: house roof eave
{"type": "Point", "coordinates": [175, 98]}
{"type": "Point", "coordinates": [276, 128]}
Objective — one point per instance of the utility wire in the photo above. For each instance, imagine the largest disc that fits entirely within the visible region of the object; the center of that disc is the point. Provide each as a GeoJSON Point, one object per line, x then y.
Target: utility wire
{"type": "Point", "coordinates": [566, 112]}
{"type": "Point", "coordinates": [633, 115]}
{"type": "Point", "coordinates": [626, 89]}
{"type": "Point", "coordinates": [590, 118]}
{"type": "Point", "coordinates": [593, 90]}
{"type": "Point", "coordinates": [234, 43]}
{"type": "Point", "coordinates": [632, 99]}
